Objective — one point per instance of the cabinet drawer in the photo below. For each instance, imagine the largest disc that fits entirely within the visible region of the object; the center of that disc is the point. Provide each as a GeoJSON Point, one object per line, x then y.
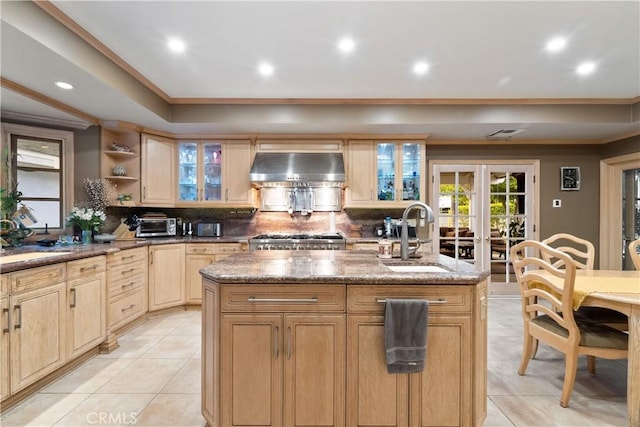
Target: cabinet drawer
{"type": "Point", "coordinates": [126, 307]}
{"type": "Point", "coordinates": [287, 298]}
{"type": "Point", "coordinates": [127, 256]}
{"type": "Point", "coordinates": [442, 299]}
{"type": "Point", "coordinates": [86, 267]}
{"type": "Point", "coordinates": [4, 284]}
{"type": "Point", "coordinates": [38, 277]}
{"type": "Point", "coordinates": [125, 271]}
{"type": "Point", "coordinates": [212, 248]}
{"type": "Point", "coordinates": [127, 284]}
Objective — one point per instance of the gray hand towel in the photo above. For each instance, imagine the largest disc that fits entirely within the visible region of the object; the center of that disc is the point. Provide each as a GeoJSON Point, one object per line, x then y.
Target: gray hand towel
{"type": "Point", "coordinates": [405, 335]}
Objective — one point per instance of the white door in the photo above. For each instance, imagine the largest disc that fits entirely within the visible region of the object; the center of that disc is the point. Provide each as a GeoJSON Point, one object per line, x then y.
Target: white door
{"type": "Point", "coordinates": [481, 211]}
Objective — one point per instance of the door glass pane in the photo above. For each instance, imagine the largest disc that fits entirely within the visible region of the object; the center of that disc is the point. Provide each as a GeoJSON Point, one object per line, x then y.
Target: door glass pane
{"type": "Point", "coordinates": [507, 220]}
{"type": "Point", "coordinates": [212, 171]}
{"type": "Point", "coordinates": [188, 171]}
{"type": "Point", "coordinates": [630, 213]}
{"type": "Point", "coordinates": [411, 171]}
{"type": "Point", "coordinates": [386, 171]}
{"type": "Point", "coordinates": [457, 215]}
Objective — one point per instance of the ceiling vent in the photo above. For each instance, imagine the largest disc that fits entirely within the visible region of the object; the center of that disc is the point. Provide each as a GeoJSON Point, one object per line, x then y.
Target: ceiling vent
{"type": "Point", "coordinates": [504, 133]}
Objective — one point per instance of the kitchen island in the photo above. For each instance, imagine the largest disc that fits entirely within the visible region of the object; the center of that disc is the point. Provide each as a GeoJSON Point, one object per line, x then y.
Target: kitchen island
{"type": "Point", "coordinates": [296, 338]}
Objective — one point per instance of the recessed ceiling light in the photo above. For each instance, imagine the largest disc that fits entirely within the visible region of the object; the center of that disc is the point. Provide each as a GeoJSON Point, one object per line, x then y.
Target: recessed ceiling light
{"type": "Point", "coordinates": [265, 69]}
{"type": "Point", "coordinates": [586, 68]}
{"type": "Point", "coordinates": [346, 45]}
{"type": "Point", "coordinates": [176, 45]}
{"type": "Point", "coordinates": [420, 68]}
{"type": "Point", "coordinates": [556, 44]}
{"type": "Point", "coordinates": [64, 85]}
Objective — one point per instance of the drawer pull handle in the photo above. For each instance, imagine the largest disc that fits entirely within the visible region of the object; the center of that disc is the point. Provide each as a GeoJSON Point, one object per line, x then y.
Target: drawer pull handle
{"type": "Point", "coordinates": [199, 250]}
{"type": "Point", "coordinates": [127, 285]}
{"type": "Point", "coordinates": [128, 308]}
{"type": "Point", "coordinates": [275, 343]}
{"type": "Point", "coordinates": [254, 299]}
{"type": "Point", "coordinates": [131, 270]}
{"type": "Point", "coordinates": [93, 267]}
{"type": "Point", "coordinates": [289, 343]}
{"type": "Point", "coordinates": [6, 310]}
{"type": "Point", "coordinates": [127, 257]}
{"type": "Point", "coordinates": [438, 301]}
{"type": "Point", "coordinates": [18, 324]}
{"type": "Point", "coordinates": [73, 298]}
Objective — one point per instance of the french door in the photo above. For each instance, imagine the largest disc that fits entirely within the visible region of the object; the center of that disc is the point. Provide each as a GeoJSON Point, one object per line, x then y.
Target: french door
{"type": "Point", "coordinates": [481, 211]}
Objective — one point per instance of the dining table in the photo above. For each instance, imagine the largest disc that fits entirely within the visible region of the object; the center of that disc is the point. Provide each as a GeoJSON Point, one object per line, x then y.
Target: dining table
{"type": "Point", "coordinates": [620, 291]}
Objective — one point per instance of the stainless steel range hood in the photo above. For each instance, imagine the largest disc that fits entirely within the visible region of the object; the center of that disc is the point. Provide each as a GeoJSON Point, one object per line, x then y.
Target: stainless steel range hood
{"type": "Point", "coordinates": [298, 169]}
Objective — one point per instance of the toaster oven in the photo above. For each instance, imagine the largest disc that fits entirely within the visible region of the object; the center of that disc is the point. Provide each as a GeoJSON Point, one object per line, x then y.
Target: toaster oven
{"type": "Point", "coordinates": [156, 227]}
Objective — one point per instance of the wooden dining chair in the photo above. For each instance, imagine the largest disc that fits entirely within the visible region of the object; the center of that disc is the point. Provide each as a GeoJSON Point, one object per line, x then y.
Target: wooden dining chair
{"type": "Point", "coordinates": [583, 255]}
{"type": "Point", "coordinates": [634, 247]}
{"type": "Point", "coordinates": [547, 311]}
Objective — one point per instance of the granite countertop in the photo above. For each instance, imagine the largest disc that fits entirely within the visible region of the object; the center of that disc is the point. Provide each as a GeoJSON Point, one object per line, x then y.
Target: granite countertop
{"type": "Point", "coordinates": [78, 251]}
{"type": "Point", "coordinates": [336, 267]}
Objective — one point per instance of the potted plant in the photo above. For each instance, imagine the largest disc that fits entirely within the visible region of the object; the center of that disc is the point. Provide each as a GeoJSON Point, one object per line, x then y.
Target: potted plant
{"type": "Point", "coordinates": [88, 220]}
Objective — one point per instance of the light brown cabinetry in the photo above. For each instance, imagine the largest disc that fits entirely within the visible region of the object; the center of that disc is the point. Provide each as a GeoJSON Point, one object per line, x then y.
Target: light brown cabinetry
{"type": "Point", "coordinates": [86, 316]}
{"type": "Point", "coordinates": [37, 337]}
{"type": "Point", "coordinates": [360, 174]}
{"type": "Point", "coordinates": [441, 395]}
{"type": "Point", "coordinates": [199, 255]}
{"type": "Point", "coordinates": [120, 160]}
{"type": "Point", "coordinates": [166, 276]}
{"type": "Point", "coordinates": [4, 348]}
{"type": "Point", "coordinates": [281, 355]}
{"type": "Point", "coordinates": [158, 171]}
{"type": "Point", "coordinates": [214, 173]}
{"type": "Point", "coordinates": [126, 291]}
{"type": "Point", "coordinates": [385, 173]}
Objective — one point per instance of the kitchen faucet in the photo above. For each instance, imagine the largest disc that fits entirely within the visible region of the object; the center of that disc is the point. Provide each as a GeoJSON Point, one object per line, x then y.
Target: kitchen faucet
{"type": "Point", "coordinates": [404, 235]}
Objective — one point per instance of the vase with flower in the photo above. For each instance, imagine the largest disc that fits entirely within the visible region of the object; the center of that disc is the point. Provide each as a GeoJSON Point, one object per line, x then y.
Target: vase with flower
{"type": "Point", "coordinates": [88, 220]}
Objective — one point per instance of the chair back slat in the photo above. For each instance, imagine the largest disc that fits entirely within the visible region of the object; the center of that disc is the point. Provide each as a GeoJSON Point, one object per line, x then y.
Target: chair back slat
{"type": "Point", "coordinates": [548, 293]}
{"type": "Point", "coordinates": [581, 251]}
{"type": "Point", "coordinates": [634, 247]}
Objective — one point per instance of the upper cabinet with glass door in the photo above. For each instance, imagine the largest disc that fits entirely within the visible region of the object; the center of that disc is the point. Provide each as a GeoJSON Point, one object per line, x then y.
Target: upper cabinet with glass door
{"type": "Point", "coordinates": [384, 173]}
{"type": "Point", "coordinates": [214, 172]}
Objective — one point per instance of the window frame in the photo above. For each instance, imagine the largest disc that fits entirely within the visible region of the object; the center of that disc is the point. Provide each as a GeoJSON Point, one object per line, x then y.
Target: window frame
{"type": "Point", "coordinates": [66, 138]}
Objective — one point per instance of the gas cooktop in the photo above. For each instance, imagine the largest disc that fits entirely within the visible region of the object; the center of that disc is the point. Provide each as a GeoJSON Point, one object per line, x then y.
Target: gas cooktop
{"type": "Point", "coordinates": [320, 241]}
{"type": "Point", "coordinates": [326, 236]}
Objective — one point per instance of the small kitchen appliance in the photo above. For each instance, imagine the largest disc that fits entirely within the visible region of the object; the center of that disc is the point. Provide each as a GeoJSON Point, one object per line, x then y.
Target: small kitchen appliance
{"type": "Point", "coordinates": [209, 229]}
{"type": "Point", "coordinates": [156, 227]}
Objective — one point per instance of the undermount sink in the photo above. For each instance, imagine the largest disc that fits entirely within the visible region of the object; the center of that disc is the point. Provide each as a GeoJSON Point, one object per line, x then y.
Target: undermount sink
{"type": "Point", "coordinates": [27, 256]}
{"type": "Point", "coordinates": [417, 269]}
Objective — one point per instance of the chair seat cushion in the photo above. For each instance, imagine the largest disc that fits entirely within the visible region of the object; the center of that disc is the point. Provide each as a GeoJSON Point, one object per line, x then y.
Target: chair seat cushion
{"type": "Point", "coordinates": [601, 315]}
{"type": "Point", "coordinates": [591, 334]}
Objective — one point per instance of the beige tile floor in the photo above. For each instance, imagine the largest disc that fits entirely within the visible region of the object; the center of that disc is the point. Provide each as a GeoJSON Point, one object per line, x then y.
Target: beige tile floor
{"type": "Point", "coordinates": [153, 379]}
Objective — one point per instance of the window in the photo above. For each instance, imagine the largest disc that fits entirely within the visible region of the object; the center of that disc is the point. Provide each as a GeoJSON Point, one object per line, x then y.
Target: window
{"type": "Point", "coordinates": [37, 170]}
{"type": "Point", "coordinates": [40, 165]}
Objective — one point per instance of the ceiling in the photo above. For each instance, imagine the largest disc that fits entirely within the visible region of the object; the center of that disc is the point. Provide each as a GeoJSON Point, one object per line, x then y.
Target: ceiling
{"type": "Point", "coordinates": [488, 67]}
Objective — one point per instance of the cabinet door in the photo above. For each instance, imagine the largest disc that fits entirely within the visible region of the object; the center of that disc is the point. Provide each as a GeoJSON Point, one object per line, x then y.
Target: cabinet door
{"type": "Point", "coordinates": [194, 280]}
{"type": "Point", "coordinates": [374, 398]}
{"type": "Point", "coordinates": [442, 396]}
{"type": "Point", "coordinates": [251, 370]}
{"type": "Point", "coordinates": [86, 317]}
{"type": "Point", "coordinates": [314, 379]}
{"type": "Point", "coordinates": [166, 276]}
{"type": "Point", "coordinates": [188, 177]}
{"type": "Point", "coordinates": [210, 354]}
{"type": "Point", "coordinates": [360, 174]}
{"type": "Point", "coordinates": [386, 173]}
{"type": "Point", "coordinates": [4, 348]}
{"type": "Point", "coordinates": [38, 334]}
{"type": "Point", "coordinates": [237, 163]}
{"type": "Point", "coordinates": [158, 170]}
